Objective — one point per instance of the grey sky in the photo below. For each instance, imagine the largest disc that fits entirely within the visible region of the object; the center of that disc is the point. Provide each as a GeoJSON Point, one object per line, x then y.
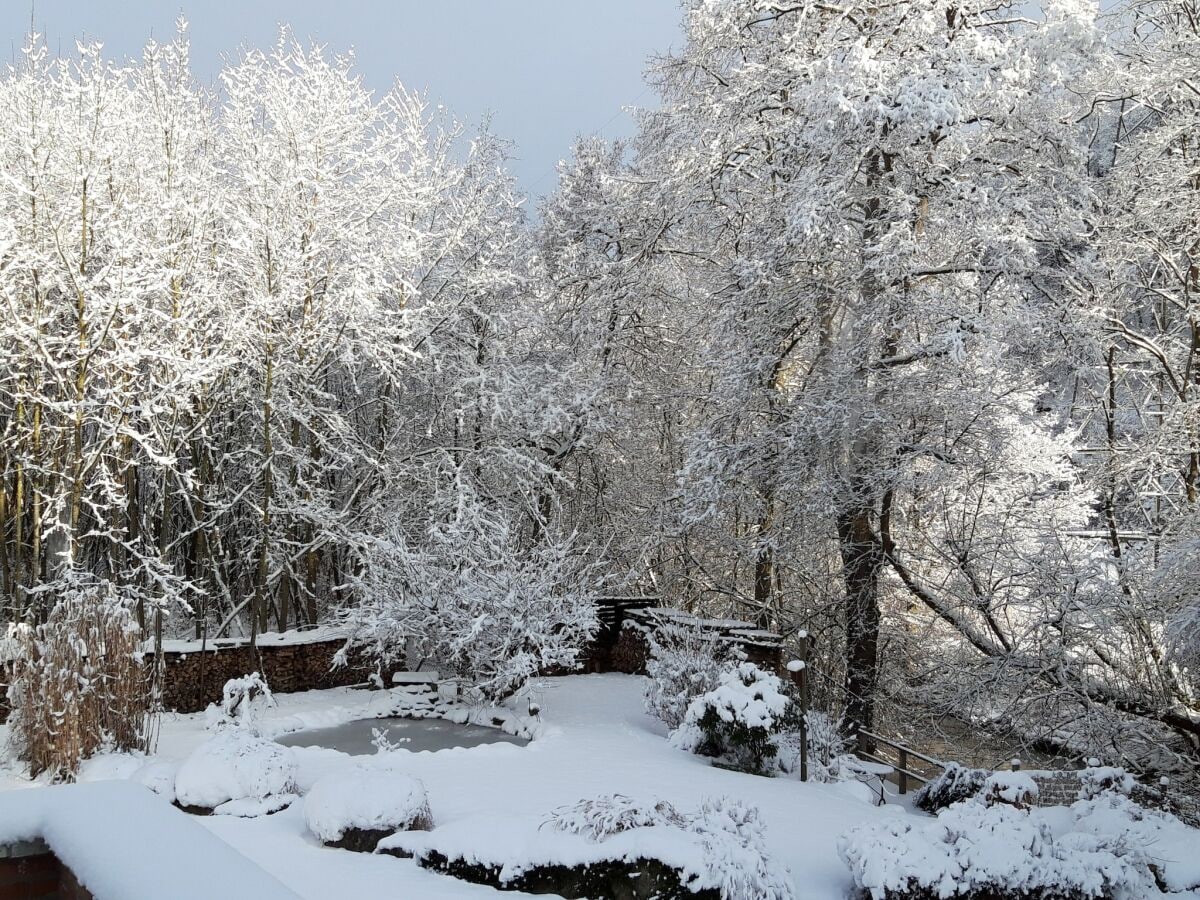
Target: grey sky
{"type": "Point", "coordinates": [547, 69]}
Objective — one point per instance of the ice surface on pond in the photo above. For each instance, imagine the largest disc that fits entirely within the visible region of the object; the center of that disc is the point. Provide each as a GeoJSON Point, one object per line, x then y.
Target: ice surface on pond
{"type": "Point", "coordinates": [359, 737]}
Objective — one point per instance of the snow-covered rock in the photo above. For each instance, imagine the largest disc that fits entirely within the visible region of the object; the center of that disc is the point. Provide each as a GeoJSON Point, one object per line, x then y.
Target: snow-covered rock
{"type": "Point", "coordinates": [365, 801]}
{"type": "Point", "coordinates": [235, 765]}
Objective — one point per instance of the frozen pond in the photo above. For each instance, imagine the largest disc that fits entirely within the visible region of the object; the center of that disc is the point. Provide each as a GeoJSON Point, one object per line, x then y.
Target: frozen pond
{"type": "Point", "coordinates": [356, 737]}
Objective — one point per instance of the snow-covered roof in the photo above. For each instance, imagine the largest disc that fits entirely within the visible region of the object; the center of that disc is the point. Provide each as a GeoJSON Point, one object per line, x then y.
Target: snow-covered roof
{"type": "Point", "coordinates": [736, 629]}
{"type": "Point", "coordinates": [98, 831]}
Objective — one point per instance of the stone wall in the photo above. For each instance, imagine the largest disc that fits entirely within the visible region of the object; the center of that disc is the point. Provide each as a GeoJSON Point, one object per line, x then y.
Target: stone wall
{"type": "Point", "coordinates": [293, 661]}
{"type": "Point", "coordinates": [1062, 789]}
{"type": "Point", "coordinates": [193, 678]}
{"type": "Point", "coordinates": [1056, 788]}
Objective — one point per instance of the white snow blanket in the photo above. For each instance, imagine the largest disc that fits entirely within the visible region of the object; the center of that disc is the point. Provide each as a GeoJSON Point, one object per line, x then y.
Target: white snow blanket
{"type": "Point", "coordinates": [124, 843]}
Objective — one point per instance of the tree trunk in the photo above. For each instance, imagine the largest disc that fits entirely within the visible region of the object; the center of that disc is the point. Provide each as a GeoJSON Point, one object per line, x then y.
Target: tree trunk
{"type": "Point", "coordinates": [862, 560]}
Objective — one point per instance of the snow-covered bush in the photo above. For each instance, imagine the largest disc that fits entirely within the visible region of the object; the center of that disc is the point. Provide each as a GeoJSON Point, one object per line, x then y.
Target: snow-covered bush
{"type": "Point", "coordinates": [477, 601]}
{"type": "Point", "coordinates": [242, 699]}
{"type": "Point", "coordinates": [735, 851]}
{"type": "Point", "coordinates": [827, 756]}
{"type": "Point", "coordinates": [955, 784]}
{"type": "Point", "coordinates": [365, 801]}
{"type": "Point", "coordinates": [972, 850]}
{"type": "Point", "coordinates": [1170, 844]}
{"type": "Point", "coordinates": [1097, 780]}
{"type": "Point", "coordinates": [737, 721]}
{"type": "Point", "coordinates": [685, 662]}
{"type": "Point", "coordinates": [611, 814]}
{"type": "Point", "coordinates": [78, 682]}
{"type": "Point", "coordinates": [236, 766]}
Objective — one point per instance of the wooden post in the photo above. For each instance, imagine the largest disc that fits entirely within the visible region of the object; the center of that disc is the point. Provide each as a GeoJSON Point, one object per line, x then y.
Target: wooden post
{"type": "Point", "coordinates": [902, 772]}
{"type": "Point", "coordinates": [799, 672]}
{"type": "Point", "coordinates": [1016, 765]}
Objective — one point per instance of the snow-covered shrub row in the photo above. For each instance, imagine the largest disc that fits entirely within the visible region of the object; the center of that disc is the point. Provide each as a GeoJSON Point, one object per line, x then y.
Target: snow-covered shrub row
{"type": "Point", "coordinates": [720, 850]}
{"type": "Point", "coordinates": [1102, 846]}
{"type": "Point", "coordinates": [1173, 848]}
{"type": "Point", "coordinates": [736, 721]}
{"type": "Point", "coordinates": [731, 835]}
{"type": "Point", "coordinates": [238, 773]}
{"type": "Point", "coordinates": [975, 850]}
{"type": "Point", "coordinates": [605, 816]}
{"type": "Point", "coordinates": [685, 662]}
{"type": "Point", "coordinates": [365, 801]}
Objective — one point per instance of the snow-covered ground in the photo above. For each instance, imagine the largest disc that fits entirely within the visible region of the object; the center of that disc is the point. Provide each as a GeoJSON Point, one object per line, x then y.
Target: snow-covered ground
{"type": "Point", "coordinates": [596, 739]}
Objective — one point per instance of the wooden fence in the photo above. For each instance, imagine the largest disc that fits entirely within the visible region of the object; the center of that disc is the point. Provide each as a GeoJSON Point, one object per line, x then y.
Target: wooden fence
{"type": "Point", "coordinates": [900, 758]}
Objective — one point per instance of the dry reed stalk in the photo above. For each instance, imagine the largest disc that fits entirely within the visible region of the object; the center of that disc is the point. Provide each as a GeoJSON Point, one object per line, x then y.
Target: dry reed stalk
{"type": "Point", "coordinates": [78, 684]}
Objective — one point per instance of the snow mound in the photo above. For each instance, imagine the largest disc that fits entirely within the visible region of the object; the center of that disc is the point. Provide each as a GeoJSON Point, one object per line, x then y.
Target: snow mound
{"type": "Point", "coordinates": [370, 801]}
{"type": "Point", "coordinates": [974, 849]}
{"type": "Point", "coordinates": [235, 765]}
{"type": "Point", "coordinates": [252, 807]}
{"type": "Point", "coordinates": [158, 775]}
{"type": "Point", "coordinates": [110, 767]}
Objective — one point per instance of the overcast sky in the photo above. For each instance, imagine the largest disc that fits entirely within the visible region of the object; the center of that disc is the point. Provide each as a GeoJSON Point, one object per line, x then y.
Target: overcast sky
{"type": "Point", "coordinates": [547, 69]}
